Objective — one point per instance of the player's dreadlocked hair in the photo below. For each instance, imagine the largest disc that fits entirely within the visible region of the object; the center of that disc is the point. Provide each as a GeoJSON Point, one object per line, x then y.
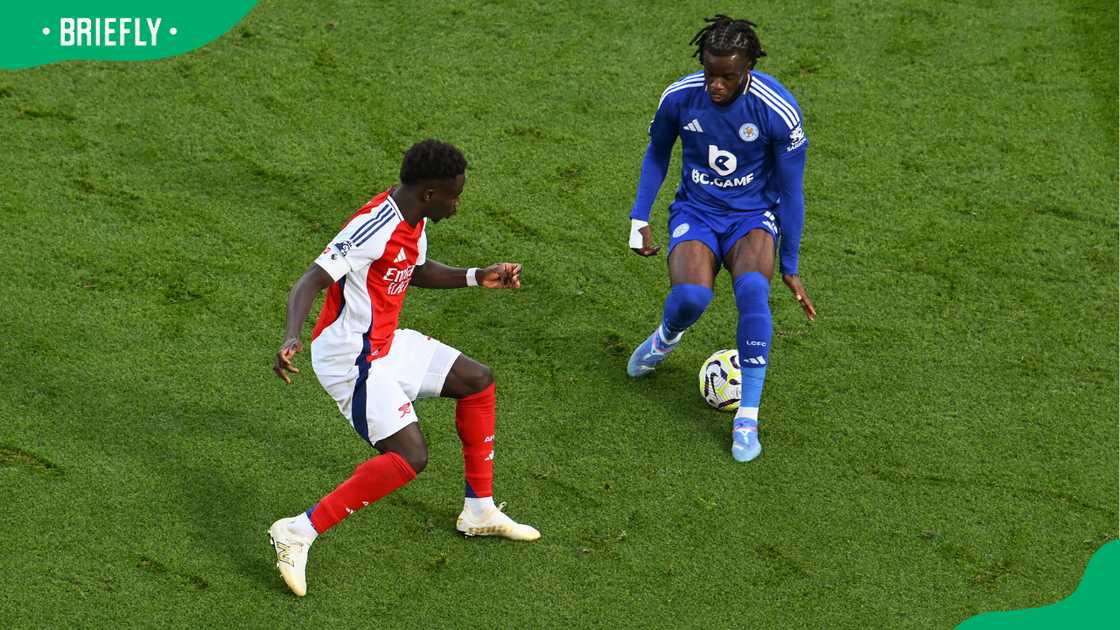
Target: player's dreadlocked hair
{"type": "Point", "coordinates": [432, 160]}
{"type": "Point", "coordinates": [726, 36]}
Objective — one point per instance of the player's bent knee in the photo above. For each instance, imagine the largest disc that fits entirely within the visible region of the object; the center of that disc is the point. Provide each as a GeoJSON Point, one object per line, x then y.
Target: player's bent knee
{"type": "Point", "coordinates": [691, 299]}
{"type": "Point", "coordinates": [751, 291]}
{"type": "Point", "coordinates": [417, 458]}
{"type": "Point", "coordinates": [409, 444]}
{"type": "Point", "coordinates": [479, 378]}
{"type": "Point", "coordinates": [418, 461]}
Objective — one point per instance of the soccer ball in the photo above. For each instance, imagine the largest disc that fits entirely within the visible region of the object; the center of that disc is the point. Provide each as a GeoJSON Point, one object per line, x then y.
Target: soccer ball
{"type": "Point", "coordinates": [721, 381]}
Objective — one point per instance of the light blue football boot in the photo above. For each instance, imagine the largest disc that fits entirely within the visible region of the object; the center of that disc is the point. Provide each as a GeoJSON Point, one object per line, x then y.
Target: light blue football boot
{"type": "Point", "coordinates": [744, 440]}
{"type": "Point", "coordinates": [651, 352]}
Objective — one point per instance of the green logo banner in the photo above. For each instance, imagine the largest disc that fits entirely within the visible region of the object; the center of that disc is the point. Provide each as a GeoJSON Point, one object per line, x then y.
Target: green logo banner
{"type": "Point", "coordinates": [1091, 605]}
{"type": "Point", "coordinates": [36, 33]}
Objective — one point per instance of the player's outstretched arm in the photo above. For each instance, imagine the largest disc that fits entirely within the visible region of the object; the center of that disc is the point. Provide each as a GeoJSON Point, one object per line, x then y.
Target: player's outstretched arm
{"type": "Point", "coordinates": [302, 296]}
{"type": "Point", "coordinates": [655, 165]}
{"type": "Point", "coordinates": [791, 216]}
{"type": "Point", "coordinates": [436, 275]}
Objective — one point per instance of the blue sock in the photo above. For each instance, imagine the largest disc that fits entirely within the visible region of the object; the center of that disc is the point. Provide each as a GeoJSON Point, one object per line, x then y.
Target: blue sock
{"type": "Point", "coordinates": [683, 306]}
{"type": "Point", "coordinates": [752, 291]}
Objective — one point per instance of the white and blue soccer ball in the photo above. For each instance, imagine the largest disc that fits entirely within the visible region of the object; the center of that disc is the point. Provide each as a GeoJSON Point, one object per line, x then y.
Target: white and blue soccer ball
{"type": "Point", "coordinates": [721, 381]}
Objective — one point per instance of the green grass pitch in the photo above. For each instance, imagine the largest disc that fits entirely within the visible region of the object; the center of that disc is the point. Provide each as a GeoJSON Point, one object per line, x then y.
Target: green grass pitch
{"type": "Point", "coordinates": [941, 442]}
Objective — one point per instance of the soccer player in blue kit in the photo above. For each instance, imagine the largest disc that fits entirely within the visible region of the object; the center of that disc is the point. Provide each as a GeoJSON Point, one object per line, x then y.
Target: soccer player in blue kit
{"type": "Point", "coordinates": [740, 198]}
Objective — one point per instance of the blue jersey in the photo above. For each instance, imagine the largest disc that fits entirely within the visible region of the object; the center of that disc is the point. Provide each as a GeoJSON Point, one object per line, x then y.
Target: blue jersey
{"type": "Point", "coordinates": [744, 157]}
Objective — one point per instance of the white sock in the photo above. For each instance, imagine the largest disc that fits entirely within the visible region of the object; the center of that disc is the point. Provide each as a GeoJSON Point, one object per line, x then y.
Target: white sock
{"type": "Point", "coordinates": [479, 506]}
{"type": "Point", "coordinates": [665, 338]}
{"type": "Point", "coordinates": [302, 526]}
{"type": "Point", "coordinates": [747, 413]}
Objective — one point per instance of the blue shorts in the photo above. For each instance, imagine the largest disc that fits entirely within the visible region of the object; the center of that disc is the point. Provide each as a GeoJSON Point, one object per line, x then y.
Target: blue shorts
{"type": "Point", "coordinates": [718, 230]}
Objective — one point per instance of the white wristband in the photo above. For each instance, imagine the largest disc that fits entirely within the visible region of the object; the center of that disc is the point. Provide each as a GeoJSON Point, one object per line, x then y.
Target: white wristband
{"type": "Point", "coordinates": [472, 277]}
{"type": "Point", "coordinates": [636, 240]}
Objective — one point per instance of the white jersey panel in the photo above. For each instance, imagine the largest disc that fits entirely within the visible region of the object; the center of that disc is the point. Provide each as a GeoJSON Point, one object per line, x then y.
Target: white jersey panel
{"type": "Point", "coordinates": [336, 348]}
{"type": "Point", "coordinates": [361, 242]}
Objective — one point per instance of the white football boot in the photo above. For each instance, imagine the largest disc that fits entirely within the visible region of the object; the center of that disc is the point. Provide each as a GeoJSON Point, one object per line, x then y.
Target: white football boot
{"type": "Point", "coordinates": [291, 554]}
{"type": "Point", "coordinates": [494, 523]}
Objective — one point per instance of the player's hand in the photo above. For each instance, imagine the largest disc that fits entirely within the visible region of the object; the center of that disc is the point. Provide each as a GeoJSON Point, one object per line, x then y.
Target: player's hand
{"type": "Point", "coordinates": [500, 276]}
{"type": "Point", "coordinates": [284, 356]}
{"type": "Point", "coordinates": [793, 281]}
{"type": "Point", "coordinates": [647, 248]}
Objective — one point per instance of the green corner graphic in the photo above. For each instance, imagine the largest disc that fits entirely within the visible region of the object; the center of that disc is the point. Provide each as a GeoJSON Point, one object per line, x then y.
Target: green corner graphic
{"type": "Point", "coordinates": [33, 34]}
{"type": "Point", "coordinates": [1091, 605]}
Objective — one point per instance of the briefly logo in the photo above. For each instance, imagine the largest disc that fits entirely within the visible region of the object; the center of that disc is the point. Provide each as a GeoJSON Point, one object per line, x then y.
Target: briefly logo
{"type": "Point", "coordinates": [694, 126]}
{"type": "Point", "coordinates": [748, 132]}
{"type": "Point", "coordinates": [722, 162]}
{"type": "Point", "coordinates": [405, 408]}
{"type": "Point", "coordinates": [796, 138]}
{"type": "Point", "coordinates": [681, 230]}
{"type": "Point", "coordinates": [109, 32]}
{"type": "Point", "coordinates": [342, 248]}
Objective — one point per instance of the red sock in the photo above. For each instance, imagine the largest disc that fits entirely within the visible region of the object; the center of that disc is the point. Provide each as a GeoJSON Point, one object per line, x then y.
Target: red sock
{"type": "Point", "coordinates": [372, 480]}
{"type": "Point", "coordinates": [474, 419]}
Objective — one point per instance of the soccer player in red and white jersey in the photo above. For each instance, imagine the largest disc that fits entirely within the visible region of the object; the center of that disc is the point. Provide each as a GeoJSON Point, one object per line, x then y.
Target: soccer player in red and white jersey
{"type": "Point", "coordinates": [375, 371]}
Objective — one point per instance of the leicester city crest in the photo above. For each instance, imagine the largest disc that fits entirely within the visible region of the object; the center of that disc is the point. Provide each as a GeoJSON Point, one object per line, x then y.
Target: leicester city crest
{"type": "Point", "coordinates": [748, 132]}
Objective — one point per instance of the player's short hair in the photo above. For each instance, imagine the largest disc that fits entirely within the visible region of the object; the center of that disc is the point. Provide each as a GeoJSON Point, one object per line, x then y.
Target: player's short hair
{"type": "Point", "coordinates": [430, 160]}
{"type": "Point", "coordinates": [726, 36]}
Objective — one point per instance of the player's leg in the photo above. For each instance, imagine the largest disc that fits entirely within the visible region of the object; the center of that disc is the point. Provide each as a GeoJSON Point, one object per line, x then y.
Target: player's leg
{"type": "Point", "coordinates": [404, 455]}
{"type": "Point", "coordinates": [751, 263]}
{"type": "Point", "coordinates": [692, 271]}
{"type": "Point", "coordinates": [472, 385]}
{"type": "Point", "coordinates": [431, 368]}
{"type": "Point", "coordinates": [382, 414]}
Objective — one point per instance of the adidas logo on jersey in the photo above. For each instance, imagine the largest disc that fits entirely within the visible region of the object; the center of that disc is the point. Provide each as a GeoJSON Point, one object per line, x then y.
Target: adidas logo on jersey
{"type": "Point", "coordinates": [400, 256]}
{"type": "Point", "coordinates": [694, 126]}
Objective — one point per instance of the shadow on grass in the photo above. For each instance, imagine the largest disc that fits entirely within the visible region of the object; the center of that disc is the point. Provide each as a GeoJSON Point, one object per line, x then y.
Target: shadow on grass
{"type": "Point", "coordinates": [670, 387]}
{"type": "Point", "coordinates": [187, 453]}
{"type": "Point", "coordinates": [226, 517]}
